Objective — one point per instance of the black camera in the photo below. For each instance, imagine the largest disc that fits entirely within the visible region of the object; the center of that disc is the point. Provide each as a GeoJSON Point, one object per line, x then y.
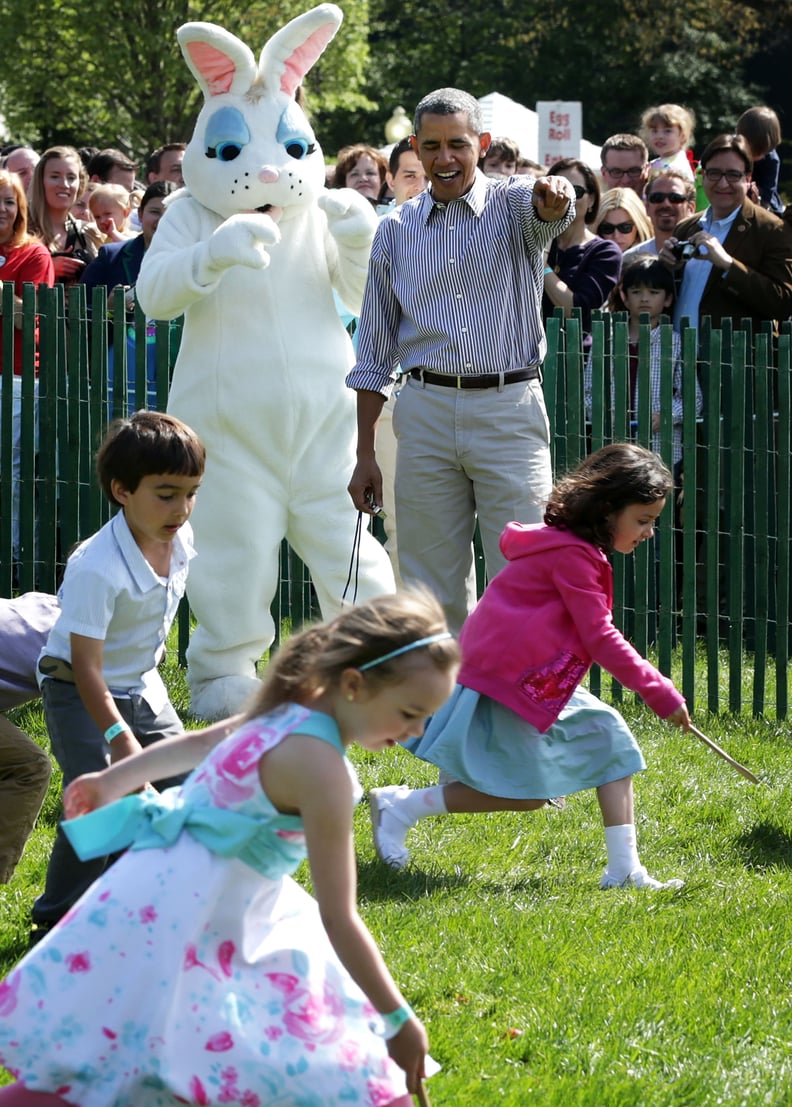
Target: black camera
{"type": "Point", "coordinates": [684, 251]}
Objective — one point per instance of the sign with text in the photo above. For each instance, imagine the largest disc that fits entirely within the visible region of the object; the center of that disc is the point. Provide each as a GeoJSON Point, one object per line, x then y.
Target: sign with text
{"type": "Point", "coordinates": [560, 129]}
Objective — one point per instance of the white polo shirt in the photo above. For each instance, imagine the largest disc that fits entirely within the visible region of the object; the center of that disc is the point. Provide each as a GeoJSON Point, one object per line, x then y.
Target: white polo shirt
{"type": "Point", "coordinates": [110, 592]}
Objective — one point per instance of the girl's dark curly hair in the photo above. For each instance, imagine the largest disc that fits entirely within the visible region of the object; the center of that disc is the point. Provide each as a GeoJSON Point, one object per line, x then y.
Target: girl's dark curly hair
{"type": "Point", "coordinates": [604, 484]}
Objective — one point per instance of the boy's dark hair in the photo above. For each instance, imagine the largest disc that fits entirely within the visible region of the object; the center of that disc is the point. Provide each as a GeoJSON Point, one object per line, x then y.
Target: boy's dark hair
{"type": "Point", "coordinates": [649, 272]}
{"type": "Point", "coordinates": [604, 484]}
{"type": "Point", "coordinates": [505, 146]}
{"type": "Point", "coordinates": [761, 128]}
{"type": "Point", "coordinates": [157, 190]}
{"type": "Point", "coordinates": [148, 442]}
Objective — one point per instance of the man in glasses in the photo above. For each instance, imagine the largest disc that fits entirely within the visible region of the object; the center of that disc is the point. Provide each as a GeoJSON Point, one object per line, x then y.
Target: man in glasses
{"type": "Point", "coordinates": [625, 162]}
{"type": "Point", "coordinates": [669, 198]}
{"type": "Point", "coordinates": [737, 257]}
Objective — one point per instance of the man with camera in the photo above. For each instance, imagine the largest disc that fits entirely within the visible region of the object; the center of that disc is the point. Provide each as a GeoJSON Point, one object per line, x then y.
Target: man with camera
{"type": "Point", "coordinates": [735, 257]}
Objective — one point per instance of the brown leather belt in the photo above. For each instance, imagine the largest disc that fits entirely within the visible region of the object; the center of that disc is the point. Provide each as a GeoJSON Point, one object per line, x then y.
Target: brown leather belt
{"type": "Point", "coordinates": [56, 669]}
{"type": "Point", "coordinates": [480, 380]}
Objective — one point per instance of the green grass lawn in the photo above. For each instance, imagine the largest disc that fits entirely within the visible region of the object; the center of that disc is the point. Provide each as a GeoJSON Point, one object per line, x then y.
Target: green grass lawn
{"type": "Point", "coordinates": [538, 988]}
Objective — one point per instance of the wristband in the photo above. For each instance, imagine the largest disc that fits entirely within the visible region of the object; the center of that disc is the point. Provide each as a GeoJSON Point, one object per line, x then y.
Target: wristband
{"type": "Point", "coordinates": [395, 1020]}
{"type": "Point", "coordinates": [548, 270]}
{"type": "Point", "coordinates": [114, 730]}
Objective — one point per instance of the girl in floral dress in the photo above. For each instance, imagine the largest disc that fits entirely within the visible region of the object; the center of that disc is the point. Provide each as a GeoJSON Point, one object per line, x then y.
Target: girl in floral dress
{"type": "Point", "coordinates": [196, 971]}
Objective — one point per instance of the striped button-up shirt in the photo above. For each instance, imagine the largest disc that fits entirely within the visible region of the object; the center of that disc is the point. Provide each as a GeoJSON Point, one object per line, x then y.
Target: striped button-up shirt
{"type": "Point", "coordinates": [456, 288]}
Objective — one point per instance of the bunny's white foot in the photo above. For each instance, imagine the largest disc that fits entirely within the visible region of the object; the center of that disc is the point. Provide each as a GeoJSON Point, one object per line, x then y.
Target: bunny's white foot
{"type": "Point", "coordinates": [221, 697]}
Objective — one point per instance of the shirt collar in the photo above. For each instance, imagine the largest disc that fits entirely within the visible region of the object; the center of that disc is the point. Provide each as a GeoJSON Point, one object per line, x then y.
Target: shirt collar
{"type": "Point", "coordinates": [474, 198]}
{"type": "Point", "coordinates": [711, 221]}
{"type": "Point", "coordinates": [140, 570]}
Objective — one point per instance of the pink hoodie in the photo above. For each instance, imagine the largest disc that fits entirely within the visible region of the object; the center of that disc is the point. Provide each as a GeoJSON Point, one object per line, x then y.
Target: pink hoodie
{"type": "Point", "coordinates": [541, 623]}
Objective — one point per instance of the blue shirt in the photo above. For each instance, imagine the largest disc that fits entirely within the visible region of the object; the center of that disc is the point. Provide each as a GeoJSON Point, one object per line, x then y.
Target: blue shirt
{"type": "Point", "coordinates": [456, 288]}
{"type": "Point", "coordinates": [697, 271]}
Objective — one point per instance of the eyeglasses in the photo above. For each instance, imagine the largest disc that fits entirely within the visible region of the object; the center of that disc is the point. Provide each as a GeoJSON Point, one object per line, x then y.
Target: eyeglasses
{"type": "Point", "coordinates": [609, 228]}
{"type": "Point", "coordinates": [671, 197]}
{"type": "Point", "coordinates": [634, 172]}
{"type": "Point", "coordinates": [580, 191]}
{"type": "Point", "coordinates": [715, 175]}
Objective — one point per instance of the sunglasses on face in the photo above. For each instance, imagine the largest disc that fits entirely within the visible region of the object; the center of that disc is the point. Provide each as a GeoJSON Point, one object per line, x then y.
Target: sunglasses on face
{"type": "Point", "coordinates": [634, 172]}
{"type": "Point", "coordinates": [715, 175]}
{"type": "Point", "coordinates": [580, 191]}
{"type": "Point", "coordinates": [670, 197]}
{"type": "Point", "coordinates": [610, 228]}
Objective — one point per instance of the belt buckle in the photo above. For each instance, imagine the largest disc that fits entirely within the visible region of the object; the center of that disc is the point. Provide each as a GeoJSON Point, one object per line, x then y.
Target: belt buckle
{"type": "Point", "coordinates": [459, 381]}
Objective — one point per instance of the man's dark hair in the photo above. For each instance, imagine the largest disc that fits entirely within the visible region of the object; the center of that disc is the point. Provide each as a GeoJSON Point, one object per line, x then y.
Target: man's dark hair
{"type": "Point", "coordinates": [449, 101]}
{"type": "Point", "coordinates": [400, 148]}
{"type": "Point", "coordinates": [728, 144]}
{"type": "Point", "coordinates": [101, 163]}
{"type": "Point", "coordinates": [155, 157]}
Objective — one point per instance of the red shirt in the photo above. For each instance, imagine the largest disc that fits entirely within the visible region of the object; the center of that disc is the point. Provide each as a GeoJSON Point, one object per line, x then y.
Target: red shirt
{"type": "Point", "coordinates": [31, 262]}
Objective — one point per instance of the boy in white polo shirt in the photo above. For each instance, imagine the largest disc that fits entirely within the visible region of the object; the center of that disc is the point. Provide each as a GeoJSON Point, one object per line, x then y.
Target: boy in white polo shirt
{"type": "Point", "coordinates": [103, 695]}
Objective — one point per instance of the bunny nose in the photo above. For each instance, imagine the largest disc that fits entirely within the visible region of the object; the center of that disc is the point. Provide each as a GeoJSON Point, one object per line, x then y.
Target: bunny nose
{"type": "Point", "coordinates": [268, 175]}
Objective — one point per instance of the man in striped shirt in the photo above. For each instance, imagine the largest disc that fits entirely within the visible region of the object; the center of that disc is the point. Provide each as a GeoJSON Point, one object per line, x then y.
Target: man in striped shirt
{"type": "Point", "coordinates": [453, 295]}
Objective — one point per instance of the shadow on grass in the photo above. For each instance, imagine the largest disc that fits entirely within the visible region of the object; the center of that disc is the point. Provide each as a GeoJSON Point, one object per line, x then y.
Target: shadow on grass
{"type": "Point", "coordinates": [766, 846]}
{"type": "Point", "coordinates": [378, 882]}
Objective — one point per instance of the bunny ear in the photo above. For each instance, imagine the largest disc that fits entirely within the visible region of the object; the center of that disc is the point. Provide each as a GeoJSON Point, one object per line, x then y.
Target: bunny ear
{"type": "Point", "coordinates": [219, 61]}
{"type": "Point", "coordinates": [292, 51]}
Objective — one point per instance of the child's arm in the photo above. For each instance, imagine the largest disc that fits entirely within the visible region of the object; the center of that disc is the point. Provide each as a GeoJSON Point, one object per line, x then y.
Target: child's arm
{"type": "Point", "coordinates": [314, 777]}
{"type": "Point", "coordinates": [87, 656]}
{"type": "Point", "coordinates": [169, 757]}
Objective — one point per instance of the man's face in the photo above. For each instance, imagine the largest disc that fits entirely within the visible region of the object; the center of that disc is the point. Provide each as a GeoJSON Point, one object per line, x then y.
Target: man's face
{"type": "Point", "coordinates": [409, 179]}
{"type": "Point", "coordinates": [22, 162]}
{"type": "Point", "coordinates": [449, 150]}
{"type": "Point", "coordinates": [170, 168]}
{"type": "Point", "coordinates": [731, 189]}
{"type": "Point", "coordinates": [625, 169]}
{"type": "Point", "coordinates": [666, 203]}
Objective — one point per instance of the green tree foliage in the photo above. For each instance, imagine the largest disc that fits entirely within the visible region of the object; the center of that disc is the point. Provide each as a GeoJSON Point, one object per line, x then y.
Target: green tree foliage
{"type": "Point", "coordinates": [616, 60]}
{"type": "Point", "coordinates": [111, 74]}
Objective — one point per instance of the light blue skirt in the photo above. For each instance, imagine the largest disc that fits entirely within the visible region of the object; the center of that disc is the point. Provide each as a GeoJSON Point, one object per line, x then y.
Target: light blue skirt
{"type": "Point", "coordinates": [492, 749]}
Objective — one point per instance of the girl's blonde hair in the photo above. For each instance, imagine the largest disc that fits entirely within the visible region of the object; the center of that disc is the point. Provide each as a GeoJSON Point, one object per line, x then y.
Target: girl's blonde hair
{"type": "Point", "coordinates": [669, 115]}
{"type": "Point", "coordinates": [314, 659]}
{"type": "Point", "coordinates": [629, 201]}
{"type": "Point", "coordinates": [114, 192]}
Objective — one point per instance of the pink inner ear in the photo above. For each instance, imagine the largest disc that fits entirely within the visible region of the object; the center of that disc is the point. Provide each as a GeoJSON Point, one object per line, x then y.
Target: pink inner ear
{"type": "Point", "coordinates": [215, 67]}
{"type": "Point", "coordinates": [300, 61]}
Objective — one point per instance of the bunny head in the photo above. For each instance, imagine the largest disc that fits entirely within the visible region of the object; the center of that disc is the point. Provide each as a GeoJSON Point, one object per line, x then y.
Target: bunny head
{"type": "Point", "coordinates": [253, 148]}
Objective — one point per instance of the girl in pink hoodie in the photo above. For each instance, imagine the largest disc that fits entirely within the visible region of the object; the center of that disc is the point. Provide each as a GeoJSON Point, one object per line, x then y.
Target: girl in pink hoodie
{"type": "Point", "coordinates": [519, 726]}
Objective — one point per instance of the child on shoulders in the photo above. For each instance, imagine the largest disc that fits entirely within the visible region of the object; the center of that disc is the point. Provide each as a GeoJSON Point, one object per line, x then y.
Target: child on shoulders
{"type": "Point", "coordinates": [111, 207]}
{"type": "Point", "coordinates": [668, 132]}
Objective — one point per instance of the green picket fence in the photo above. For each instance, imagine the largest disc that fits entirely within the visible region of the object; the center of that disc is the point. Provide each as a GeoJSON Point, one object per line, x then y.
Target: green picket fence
{"type": "Point", "coordinates": [715, 587]}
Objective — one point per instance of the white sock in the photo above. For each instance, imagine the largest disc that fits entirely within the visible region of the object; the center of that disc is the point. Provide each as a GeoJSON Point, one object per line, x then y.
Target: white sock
{"type": "Point", "coordinates": [420, 803]}
{"type": "Point", "coordinates": [622, 851]}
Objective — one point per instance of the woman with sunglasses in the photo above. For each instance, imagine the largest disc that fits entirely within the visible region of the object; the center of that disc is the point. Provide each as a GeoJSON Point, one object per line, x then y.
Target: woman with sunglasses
{"type": "Point", "coordinates": [582, 268]}
{"type": "Point", "coordinates": [622, 217]}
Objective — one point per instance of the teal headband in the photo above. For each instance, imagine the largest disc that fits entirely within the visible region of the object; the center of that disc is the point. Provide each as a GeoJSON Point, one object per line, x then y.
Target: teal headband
{"type": "Point", "coordinates": [406, 649]}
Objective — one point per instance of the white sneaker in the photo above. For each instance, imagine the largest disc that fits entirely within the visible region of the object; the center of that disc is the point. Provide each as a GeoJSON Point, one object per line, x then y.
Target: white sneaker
{"type": "Point", "coordinates": [389, 828]}
{"type": "Point", "coordinates": [639, 878]}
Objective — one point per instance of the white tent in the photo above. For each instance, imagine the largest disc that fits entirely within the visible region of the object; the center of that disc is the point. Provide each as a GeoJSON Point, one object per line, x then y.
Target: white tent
{"type": "Point", "coordinates": [502, 116]}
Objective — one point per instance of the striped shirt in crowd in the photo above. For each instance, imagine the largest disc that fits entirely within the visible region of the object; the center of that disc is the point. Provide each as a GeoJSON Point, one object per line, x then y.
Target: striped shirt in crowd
{"type": "Point", "coordinates": [456, 288]}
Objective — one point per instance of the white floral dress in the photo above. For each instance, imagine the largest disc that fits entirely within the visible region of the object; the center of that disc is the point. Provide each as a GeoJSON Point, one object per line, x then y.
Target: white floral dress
{"type": "Point", "coordinates": [198, 972]}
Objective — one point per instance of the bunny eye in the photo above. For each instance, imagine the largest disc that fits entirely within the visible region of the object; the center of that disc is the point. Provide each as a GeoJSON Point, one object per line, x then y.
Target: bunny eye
{"type": "Point", "coordinates": [299, 148]}
{"type": "Point", "coordinates": [227, 134]}
{"type": "Point", "coordinates": [294, 134]}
